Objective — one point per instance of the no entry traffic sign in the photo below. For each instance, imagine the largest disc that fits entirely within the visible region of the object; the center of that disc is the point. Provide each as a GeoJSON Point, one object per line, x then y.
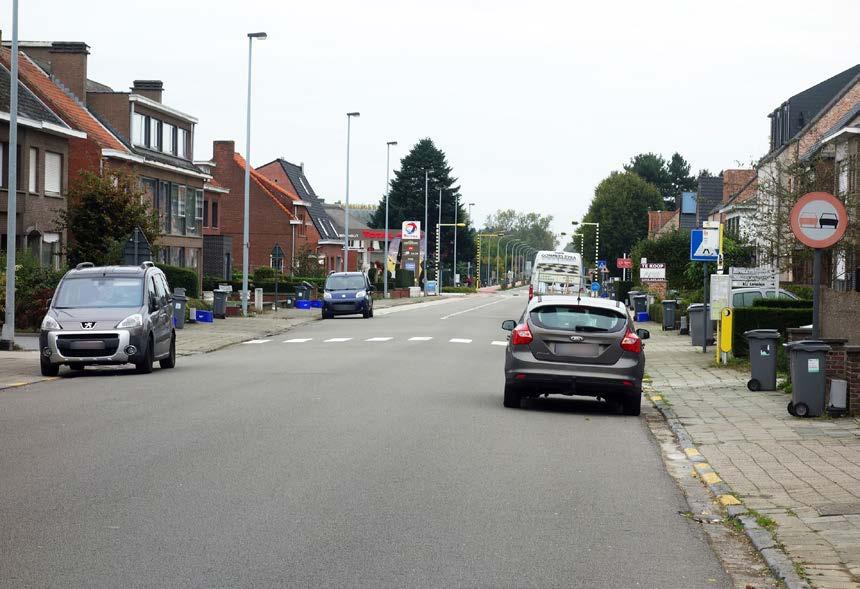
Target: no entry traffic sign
{"type": "Point", "coordinates": [819, 220]}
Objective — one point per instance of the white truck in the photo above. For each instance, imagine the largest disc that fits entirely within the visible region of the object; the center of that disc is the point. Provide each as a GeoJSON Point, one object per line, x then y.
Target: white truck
{"type": "Point", "coordinates": [557, 273]}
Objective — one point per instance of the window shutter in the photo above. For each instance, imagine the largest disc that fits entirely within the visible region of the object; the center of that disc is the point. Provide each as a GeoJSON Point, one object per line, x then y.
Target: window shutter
{"type": "Point", "coordinates": [53, 172]}
{"type": "Point", "coordinates": [34, 165]}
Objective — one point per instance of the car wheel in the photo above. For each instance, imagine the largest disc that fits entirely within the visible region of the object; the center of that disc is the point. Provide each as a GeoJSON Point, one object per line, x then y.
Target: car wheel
{"type": "Point", "coordinates": [366, 314]}
{"type": "Point", "coordinates": [145, 365]}
{"type": "Point", "coordinates": [323, 315]}
{"type": "Point", "coordinates": [371, 311]}
{"type": "Point", "coordinates": [170, 361]}
{"type": "Point", "coordinates": [632, 405]}
{"type": "Point", "coordinates": [513, 397]}
{"type": "Point", "coordinates": [48, 369]}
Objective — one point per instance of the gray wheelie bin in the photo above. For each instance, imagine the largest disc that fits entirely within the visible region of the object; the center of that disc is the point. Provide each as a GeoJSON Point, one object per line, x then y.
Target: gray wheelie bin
{"type": "Point", "coordinates": [179, 302]}
{"type": "Point", "coordinates": [630, 296]}
{"type": "Point", "coordinates": [762, 345]}
{"type": "Point", "coordinates": [695, 324]}
{"type": "Point", "coordinates": [808, 377]}
{"type": "Point", "coordinates": [669, 308]}
{"type": "Point", "coordinates": [219, 304]}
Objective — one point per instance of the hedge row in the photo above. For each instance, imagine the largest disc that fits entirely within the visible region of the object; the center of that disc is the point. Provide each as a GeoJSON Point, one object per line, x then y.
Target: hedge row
{"type": "Point", "coordinates": [782, 304]}
{"type": "Point", "coordinates": [284, 285]}
{"type": "Point", "coordinates": [746, 318]}
{"type": "Point", "coordinates": [181, 277]}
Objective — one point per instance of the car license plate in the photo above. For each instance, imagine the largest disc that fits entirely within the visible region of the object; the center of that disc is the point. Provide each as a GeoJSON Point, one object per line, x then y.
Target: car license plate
{"type": "Point", "coordinates": [581, 350]}
{"type": "Point", "coordinates": [87, 345]}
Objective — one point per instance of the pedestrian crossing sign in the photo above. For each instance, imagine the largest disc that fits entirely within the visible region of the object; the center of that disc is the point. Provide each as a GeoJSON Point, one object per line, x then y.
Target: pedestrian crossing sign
{"type": "Point", "coordinates": [704, 245]}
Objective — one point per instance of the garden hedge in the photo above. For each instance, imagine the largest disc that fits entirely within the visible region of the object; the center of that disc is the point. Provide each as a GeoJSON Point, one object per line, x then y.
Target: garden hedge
{"type": "Point", "coordinates": [746, 318]}
{"type": "Point", "coordinates": [181, 277]}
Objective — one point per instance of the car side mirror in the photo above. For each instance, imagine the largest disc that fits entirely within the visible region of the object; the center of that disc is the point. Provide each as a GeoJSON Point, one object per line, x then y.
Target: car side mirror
{"type": "Point", "coordinates": [643, 333]}
{"type": "Point", "coordinates": [509, 324]}
{"type": "Point", "coordinates": [48, 303]}
{"type": "Point", "coordinates": [370, 289]}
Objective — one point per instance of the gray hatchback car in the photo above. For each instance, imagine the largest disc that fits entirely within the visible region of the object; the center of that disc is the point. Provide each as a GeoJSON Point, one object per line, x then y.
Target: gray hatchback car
{"type": "Point", "coordinates": [574, 345]}
{"type": "Point", "coordinates": [109, 315]}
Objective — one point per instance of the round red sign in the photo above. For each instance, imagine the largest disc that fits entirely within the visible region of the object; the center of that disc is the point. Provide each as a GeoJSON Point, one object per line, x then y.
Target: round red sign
{"type": "Point", "coordinates": [819, 220]}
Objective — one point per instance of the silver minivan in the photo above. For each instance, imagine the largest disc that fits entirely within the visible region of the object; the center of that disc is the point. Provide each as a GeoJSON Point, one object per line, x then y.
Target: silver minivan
{"type": "Point", "coordinates": [109, 315]}
{"type": "Point", "coordinates": [573, 345]}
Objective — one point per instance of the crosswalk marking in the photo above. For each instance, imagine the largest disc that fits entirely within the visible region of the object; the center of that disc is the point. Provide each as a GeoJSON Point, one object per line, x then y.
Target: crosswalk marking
{"type": "Point", "coordinates": [458, 340]}
{"type": "Point", "coordinates": [338, 339]}
{"type": "Point", "coordinates": [257, 341]}
{"type": "Point", "coordinates": [378, 339]}
{"type": "Point", "coordinates": [298, 340]}
{"type": "Point", "coordinates": [420, 338]}
{"type": "Point", "coordinates": [498, 343]}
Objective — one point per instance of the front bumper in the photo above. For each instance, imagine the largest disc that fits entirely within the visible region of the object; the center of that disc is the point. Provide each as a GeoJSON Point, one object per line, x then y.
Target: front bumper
{"type": "Point", "coordinates": [345, 307]}
{"type": "Point", "coordinates": [82, 347]}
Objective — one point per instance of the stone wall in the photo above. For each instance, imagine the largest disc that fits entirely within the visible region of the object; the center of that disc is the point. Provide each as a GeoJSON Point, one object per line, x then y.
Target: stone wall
{"type": "Point", "coordinates": [840, 315]}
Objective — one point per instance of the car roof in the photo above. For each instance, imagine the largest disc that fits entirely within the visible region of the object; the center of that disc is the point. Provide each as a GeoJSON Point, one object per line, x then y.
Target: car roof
{"type": "Point", "coordinates": [347, 274]}
{"type": "Point", "coordinates": [109, 271]}
{"type": "Point", "coordinates": [582, 301]}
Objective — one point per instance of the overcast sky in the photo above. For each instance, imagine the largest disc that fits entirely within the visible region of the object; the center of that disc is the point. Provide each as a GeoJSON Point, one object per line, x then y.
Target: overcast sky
{"type": "Point", "coordinates": [533, 102]}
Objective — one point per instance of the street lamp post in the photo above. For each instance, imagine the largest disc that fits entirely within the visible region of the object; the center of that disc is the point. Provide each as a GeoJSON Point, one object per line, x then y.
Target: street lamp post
{"type": "Point", "coordinates": [387, 191]}
{"type": "Point", "coordinates": [8, 335]}
{"type": "Point", "coordinates": [246, 229]}
{"type": "Point", "coordinates": [514, 243]}
{"type": "Point", "coordinates": [439, 247]}
{"type": "Point", "coordinates": [439, 253]}
{"type": "Point", "coordinates": [349, 117]}
{"type": "Point", "coordinates": [456, 230]}
{"type": "Point", "coordinates": [426, 225]}
{"type": "Point", "coordinates": [498, 258]}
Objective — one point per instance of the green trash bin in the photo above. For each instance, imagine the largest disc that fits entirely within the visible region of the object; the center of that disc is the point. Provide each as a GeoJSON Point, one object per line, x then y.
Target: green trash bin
{"type": "Point", "coordinates": [762, 350]}
{"type": "Point", "coordinates": [808, 377]}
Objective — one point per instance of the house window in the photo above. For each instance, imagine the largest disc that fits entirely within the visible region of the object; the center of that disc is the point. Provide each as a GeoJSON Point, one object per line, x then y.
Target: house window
{"type": "Point", "coordinates": [182, 143]}
{"type": "Point", "coordinates": [53, 172]}
{"type": "Point", "coordinates": [138, 129]}
{"type": "Point", "coordinates": [302, 227]}
{"type": "Point", "coordinates": [152, 140]}
{"type": "Point", "coordinates": [215, 213]}
{"type": "Point", "coordinates": [276, 260]}
{"type": "Point", "coordinates": [206, 213]}
{"type": "Point", "coordinates": [191, 258]}
{"type": "Point", "coordinates": [34, 170]}
{"type": "Point", "coordinates": [51, 250]}
{"type": "Point", "coordinates": [177, 256]}
{"type": "Point", "coordinates": [198, 211]}
{"type": "Point", "coordinates": [150, 188]}
{"type": "Point", "coordinates": [168, 138]}
{"type": "Point", "coordinates": [164, 206]}
{"type": "Point", "coordinates": [178, 220]}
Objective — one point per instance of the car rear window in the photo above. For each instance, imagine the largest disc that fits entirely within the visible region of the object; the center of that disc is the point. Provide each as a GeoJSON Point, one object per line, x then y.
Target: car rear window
{"type": "Point", "coordinates": [99, 292]}
{"type": "Point", "coordinates": [577, 318]}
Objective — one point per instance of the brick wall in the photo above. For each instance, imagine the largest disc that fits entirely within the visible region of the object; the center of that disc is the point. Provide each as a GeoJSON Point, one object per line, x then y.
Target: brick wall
{"type": "Point", "coordinates": [113, 107]}
{"type": "Point", "coordinates": [839, 315]}
{"type": "Point", "coordinates": [822, 125]}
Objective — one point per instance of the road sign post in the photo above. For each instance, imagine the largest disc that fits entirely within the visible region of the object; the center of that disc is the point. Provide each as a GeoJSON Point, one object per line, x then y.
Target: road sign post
{"type": "Point", "coordinates": [818, 220]}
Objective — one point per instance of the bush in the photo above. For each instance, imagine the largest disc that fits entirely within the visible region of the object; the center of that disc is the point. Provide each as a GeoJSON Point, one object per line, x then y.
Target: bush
{"type": "Point", "coordinates": [181, 277]}
{"type": "Point", "coordinates": [34, 285]}
{"type": "Point", "coordinates": [404, 279]}
{"type": "Point", "coordinates": [782, 304]}
{"type": "Point", "coordinates": [801, 290]}
{"type": "Point", "coordinates": [264, 274]}
{"type": "Point", "coordinates": [746, 318]}
{"type": "Point", "coordinates": [655, 311]}
{"type": "Point", "coordinates": [459, 289]}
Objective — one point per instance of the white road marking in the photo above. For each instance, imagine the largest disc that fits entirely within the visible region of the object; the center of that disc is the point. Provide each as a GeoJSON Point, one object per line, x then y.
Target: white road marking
{"type": "Point", "coordinates": [497, 343]}
{"type": "Point", "coordinates": [458, 340]}
{"type": "Point", "coordinates": [257, 341]}
{"type": "Point", "coordinates": [501, 300]}
{"type": "Point", "coordinates": [420, 338]}
{"type": "Point", "coordinates": [338, 339]}
{"type": "Point", "coordinates": [298, 340]}
{"type": "Point", "coordinates": [378, 339]}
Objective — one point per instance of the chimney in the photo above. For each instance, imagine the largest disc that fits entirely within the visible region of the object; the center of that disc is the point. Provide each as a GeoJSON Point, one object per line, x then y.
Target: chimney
{"type": "Point", "coordinates": [222, 151]}
{"type": "Point", "coordinates": [302, 167]}
{"type": "Point", "coordinates": [69, 65]}
{"type": "Point", "coordinates": [151, 89]}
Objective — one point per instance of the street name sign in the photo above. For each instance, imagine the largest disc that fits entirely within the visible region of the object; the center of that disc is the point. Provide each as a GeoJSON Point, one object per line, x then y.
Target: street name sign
{"type": "Point", "coordinates": [761, 277]}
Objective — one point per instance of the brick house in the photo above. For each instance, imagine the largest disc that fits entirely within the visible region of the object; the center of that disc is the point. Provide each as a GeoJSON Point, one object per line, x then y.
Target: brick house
{"type": "Point", "coordinates": [275, 226]}
{"type": "Point", "coordinates": [317, 230]}
{"type": "Point", "coordinates": [738, 203]}
{"type": "Point", "coordinates": [217, 247]}
{"type": "Point", "coordinates": [42, 173]}
{"type": "Point", "coordinates": [131, 130]}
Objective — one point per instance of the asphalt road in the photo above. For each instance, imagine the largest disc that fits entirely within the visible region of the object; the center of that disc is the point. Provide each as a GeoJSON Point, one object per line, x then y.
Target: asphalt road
{"type": "Point", "coordinates": [388, 463]}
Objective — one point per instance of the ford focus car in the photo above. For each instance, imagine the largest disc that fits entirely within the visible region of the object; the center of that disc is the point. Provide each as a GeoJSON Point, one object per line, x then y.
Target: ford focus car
{"type": "Point", "coordinates": [347, 293]}
{"type": "Point", "coordinates": [109, 315]}
{"type": "Point", "coordinates": [574, 345]}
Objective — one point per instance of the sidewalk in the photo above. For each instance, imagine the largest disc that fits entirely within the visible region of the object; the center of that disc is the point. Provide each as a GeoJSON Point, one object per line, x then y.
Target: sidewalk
{"type": "Point", "coordinates": [22, 368]}
{"type": "Point", "coordinates": [802, 474]}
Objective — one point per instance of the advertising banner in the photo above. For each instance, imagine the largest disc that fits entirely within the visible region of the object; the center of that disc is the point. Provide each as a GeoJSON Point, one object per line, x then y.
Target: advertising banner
{"type": "Point", "coordinates": [652, 272]}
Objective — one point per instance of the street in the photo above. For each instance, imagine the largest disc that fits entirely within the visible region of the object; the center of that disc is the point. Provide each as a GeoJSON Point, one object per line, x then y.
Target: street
{"type": "Point", "coordinates": [337, 463]}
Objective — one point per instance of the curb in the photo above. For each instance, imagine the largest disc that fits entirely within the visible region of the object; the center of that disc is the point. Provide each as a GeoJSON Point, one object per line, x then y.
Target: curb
{"type": "Point", "coordinates": [773, 554]}
{"type": "Point", "coordinates": [269, 333]}
{"type": "Point", "coordinates": [18, 385]}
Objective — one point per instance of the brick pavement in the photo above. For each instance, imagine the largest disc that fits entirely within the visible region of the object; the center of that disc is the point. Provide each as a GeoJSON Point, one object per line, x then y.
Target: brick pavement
{"type": "Point", "coordinates": [802, 473]}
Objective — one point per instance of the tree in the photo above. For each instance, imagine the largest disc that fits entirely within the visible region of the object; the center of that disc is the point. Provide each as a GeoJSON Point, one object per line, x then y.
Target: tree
{"type": "Point", "coordinates": [406, 201]}
{"type": "Point", "coordinates": [671, 178]}
{"type": "Point", "coordinates": [620, 205]}
{"type": "Point", "coordinates": [680, 180]}
{"type": "Point", "coordinates": [530, 228]}
{"type": "Point", "coordinates": [103, 211]}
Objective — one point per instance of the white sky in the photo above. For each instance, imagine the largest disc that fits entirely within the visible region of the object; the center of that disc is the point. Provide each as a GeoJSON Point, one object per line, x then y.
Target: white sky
{"type": "Point", "coordinates": [533, 102]}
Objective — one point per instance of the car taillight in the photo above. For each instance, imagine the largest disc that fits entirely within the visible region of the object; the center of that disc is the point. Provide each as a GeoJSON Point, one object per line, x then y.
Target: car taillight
{"type": "Point", "coordinates": [521, 335]}
{"type": "Point", "coordinates": [631, 343]}
{"type": "Point", "coordinates": [531, 291]}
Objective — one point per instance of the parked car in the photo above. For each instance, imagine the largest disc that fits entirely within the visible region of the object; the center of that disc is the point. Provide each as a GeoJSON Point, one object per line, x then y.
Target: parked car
{"type": "Point", "coordinates": [744, 297]}
{"type": "Point", "coordinates": [347, 293]}
{"type": "Point", "coordinates": [109, 315]}
{"type": "Point", "coordinates": [575, 346]}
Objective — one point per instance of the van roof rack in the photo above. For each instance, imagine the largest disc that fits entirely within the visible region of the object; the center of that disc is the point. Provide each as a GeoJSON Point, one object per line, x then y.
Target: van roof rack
{"type": "Point", "coordinates": [83, 265]}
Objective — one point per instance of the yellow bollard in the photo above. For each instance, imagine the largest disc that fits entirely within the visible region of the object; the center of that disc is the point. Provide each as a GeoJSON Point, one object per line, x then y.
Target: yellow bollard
{"type": "Point", "coordinates": [726, 321]}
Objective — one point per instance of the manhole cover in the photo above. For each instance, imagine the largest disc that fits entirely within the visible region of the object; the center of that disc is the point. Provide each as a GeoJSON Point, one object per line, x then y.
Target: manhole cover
{"type": "Point", "coordinates": [839, 508]}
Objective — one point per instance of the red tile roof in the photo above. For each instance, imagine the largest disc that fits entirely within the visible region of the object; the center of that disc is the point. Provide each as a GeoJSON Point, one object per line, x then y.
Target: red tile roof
{"type": "Point", "coordinates": [738, 185]}
{"type": "Point", "coordinates": [657, 219]}
{"type": "Point", "coordinates": [281, 197]}
{"type": "Point", "coordinates": [67, 107]}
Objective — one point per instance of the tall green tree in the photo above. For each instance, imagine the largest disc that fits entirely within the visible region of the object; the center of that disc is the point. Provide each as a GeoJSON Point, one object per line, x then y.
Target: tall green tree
{"type": "Point", "coordinates": [670, 177]}
{"type": "Point", "coordinates": [680, 180]}
{"type": "Point", "coordinates": [620, 205]}
{"type": "Point", "coordinates": [406, 201]}
{"type": "Point", "coordinates": [103, 211]}
{"type": "Point", "coordinates": [530, 228]}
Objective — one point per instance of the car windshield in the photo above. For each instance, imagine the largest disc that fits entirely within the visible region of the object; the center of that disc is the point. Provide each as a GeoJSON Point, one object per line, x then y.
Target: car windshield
{"type": "Point", "coordinates": [99, 292]}
{"type": "Point", "coordinates": [345, 282]}
{"type": "Point", "coordinates": [577, 318]}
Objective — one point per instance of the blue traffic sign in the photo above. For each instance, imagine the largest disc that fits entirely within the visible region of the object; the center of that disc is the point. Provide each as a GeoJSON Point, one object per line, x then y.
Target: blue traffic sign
{"type": "Point", "coordinates": [595, 286]}
{"type": "Point", "coordinates": [601, 264]}
{"type": "Point", "coordinates": [704, 245]}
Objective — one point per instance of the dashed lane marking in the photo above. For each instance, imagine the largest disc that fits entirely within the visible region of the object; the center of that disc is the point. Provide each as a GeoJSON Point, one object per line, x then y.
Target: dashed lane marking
{"type": "Point", "coordinates": [475, 308]}
{"type": "Point", "coordinates": [378, 339]}
{"type": "Point", "coordinates": [458, 340]}
{"type": "Point", "coordinates": [497, 343]}
{"type": "Point", "coordinates": [420, 338]}
{"type": "Point", "coordinates": [338, 339]}
{"type": "Point", "coordinates": [298, 340]}
{"type": "Point", "coordinates": [257, 341]}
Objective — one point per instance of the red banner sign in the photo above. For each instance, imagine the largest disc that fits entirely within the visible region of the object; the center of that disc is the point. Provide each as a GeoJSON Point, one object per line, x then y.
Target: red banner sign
{"type": "Point", "coordinates": [624, 263]}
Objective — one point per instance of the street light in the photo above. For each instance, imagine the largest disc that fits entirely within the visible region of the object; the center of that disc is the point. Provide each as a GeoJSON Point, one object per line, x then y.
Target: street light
{"type": "Point", "coordinates": [515, 243]}
{"type": "Point", "coordinates": [349, 116]}
{"type": "Point", "coordinates": [498, 245]}
{"type": "Point", "coordinates": [388, 146]}
{"type": "Point", "coordinates": [426, 225]}
{"type": "Point", "coordinates": [439, 247]}
{"type": "Point", "coordinates": [246, 230]}
{"type": "Point", "coordinates": [456, 230]}
{"type": "Point", "coordinates": [478, 254]}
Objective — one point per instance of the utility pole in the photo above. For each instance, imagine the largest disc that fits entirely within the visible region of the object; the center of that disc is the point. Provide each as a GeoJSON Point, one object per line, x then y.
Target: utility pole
{"type": "Point", "coordinates": [8, 335]}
